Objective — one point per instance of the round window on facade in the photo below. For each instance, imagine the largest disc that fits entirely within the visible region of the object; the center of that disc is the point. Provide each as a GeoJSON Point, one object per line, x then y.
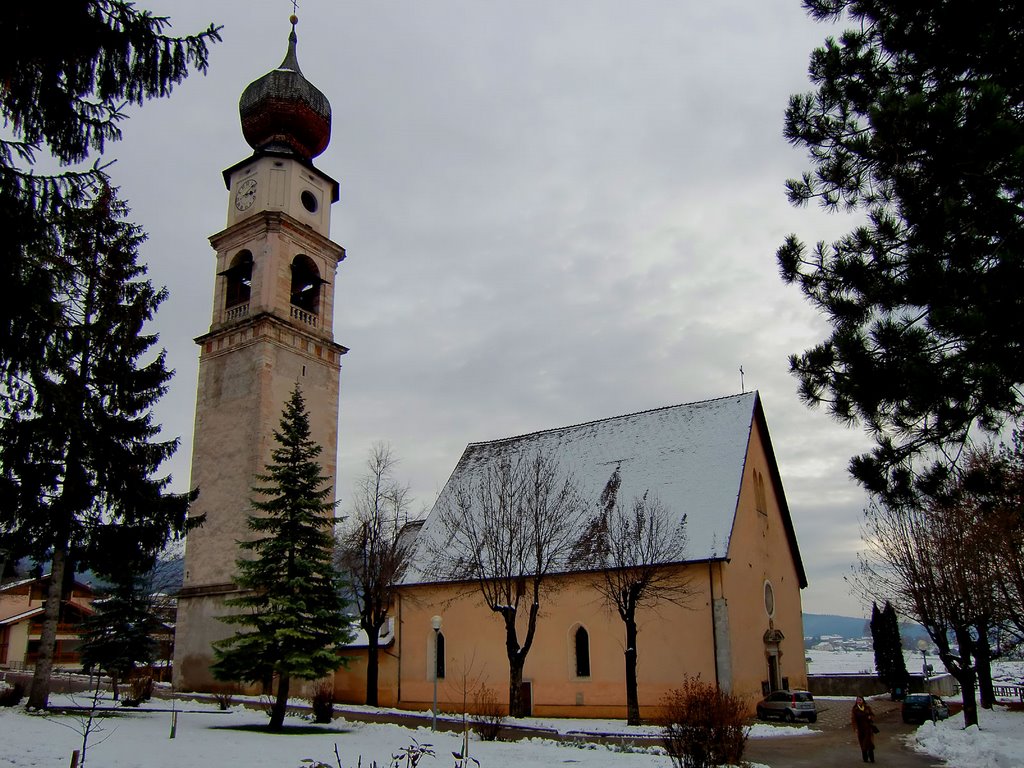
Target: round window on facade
{"type": "Point", "coordinates": [309, 201]}
{"type": "Point", "coordinates": [769, 599]}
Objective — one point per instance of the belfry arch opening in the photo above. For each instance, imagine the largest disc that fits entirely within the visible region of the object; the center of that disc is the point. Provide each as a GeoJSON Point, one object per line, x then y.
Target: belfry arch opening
{"type": "Point", "coordinates": [306, 282]}
{"type": "Point", "coordinates": [239, 280]}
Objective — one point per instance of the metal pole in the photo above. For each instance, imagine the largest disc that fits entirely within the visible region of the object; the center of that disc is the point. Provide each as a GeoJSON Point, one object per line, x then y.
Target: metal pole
{"type": "Point", "coordinates": [435, 622]}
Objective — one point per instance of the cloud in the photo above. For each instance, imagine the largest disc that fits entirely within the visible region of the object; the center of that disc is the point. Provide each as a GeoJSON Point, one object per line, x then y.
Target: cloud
{"type": "Point", "coordinates": [553, 212]}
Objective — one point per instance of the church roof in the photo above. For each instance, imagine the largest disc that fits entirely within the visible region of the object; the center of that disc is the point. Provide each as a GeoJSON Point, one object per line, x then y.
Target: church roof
{"type": "Point", "coordinates": [691, 457]}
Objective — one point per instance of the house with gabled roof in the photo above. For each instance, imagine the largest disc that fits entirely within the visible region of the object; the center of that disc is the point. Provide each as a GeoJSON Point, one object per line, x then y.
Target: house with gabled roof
{"type": "Point", "coordinates": [741, 628]}
{"type": "Point", "coordinates": [21, 621]}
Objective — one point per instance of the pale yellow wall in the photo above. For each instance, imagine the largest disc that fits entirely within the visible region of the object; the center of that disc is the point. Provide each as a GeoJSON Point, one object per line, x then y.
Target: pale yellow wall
{"type": "Point", "coordinates": [759, 551]}
{"type": "Point", "coordinates": [350, 681]}
{"type": "Point", "coordinates": [672, 642]}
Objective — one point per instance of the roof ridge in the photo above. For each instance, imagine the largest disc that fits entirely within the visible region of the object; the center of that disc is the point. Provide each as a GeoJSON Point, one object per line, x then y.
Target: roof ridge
{"type": "Point", "coordinates": [607, 418]}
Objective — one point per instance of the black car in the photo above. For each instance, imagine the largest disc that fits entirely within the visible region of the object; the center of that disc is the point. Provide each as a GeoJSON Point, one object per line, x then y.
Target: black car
{"type": "Point", "coordinates": [788, 706]}
{"type": "Point", "coordinates": [918, 707]}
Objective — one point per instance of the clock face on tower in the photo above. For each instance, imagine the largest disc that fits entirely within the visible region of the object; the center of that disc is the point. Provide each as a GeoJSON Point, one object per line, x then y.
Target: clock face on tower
{"type": "Point", "coordinates": [245, 194]}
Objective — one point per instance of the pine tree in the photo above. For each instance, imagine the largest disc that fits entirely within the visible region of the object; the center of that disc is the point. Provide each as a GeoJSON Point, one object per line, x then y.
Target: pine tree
{"type": "Point", "coordinates": [120, 635]}
{"type": "Point", "coordinates": [67, 75]}
{"type": "Point", "coordinates": [79, 456]}
{"type": "Point", "coordinates": [293, 611]}
{"type": "Point", "coordinates": [75, 426]}
{"type": "Point", "coordinates": [889, 661]}
{"type": "Point", "coordinates": [914, 123]}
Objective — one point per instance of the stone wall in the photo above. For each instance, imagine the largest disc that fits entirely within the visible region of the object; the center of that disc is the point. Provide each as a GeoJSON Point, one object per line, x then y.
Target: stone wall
{"type": "Point", "coordinates": [869, 685]}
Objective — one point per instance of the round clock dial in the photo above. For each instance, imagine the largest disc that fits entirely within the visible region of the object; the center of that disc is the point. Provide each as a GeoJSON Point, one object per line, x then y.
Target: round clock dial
{"type": "Point", "coordinates": [245, 194]}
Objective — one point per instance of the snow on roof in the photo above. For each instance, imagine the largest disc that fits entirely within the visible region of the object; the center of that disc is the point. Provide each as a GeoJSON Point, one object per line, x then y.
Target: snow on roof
{"type": "Point", "coordinates": [385, 637]}
{"type": "Point", "coordinates": [690, 456]}
{"type": "Point", "coordinates": [45, 577]}
{"type": "Point", "coordinates": [30, 613]}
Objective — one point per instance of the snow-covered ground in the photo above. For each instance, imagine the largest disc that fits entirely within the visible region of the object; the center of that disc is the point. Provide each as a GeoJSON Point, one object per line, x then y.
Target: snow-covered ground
{"type": "Point", "coordinates": [853, 662]}
{"type": "Point", "coordinates": [206, 737]}
{"type": "Point", "coordinates": [998, 740]}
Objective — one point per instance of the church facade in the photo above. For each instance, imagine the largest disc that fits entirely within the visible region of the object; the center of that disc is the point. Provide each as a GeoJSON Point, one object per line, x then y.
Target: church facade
{"type": "Point", "coordinates": [741, 627]}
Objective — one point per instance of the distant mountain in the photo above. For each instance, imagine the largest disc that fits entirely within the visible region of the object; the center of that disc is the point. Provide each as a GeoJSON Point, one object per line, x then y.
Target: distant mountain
{"type": "Point", "coordinates": [849, 628]}
{"type": "Point", "coordinates": [817, 624]}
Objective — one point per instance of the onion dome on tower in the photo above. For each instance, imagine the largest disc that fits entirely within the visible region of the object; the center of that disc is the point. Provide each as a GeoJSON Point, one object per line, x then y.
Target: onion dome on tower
{"type": "Point", "coordinates": [283, 112]}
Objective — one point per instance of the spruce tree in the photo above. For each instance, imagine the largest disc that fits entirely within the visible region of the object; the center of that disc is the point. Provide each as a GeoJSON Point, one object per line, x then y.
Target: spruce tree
{"type": "Point", "coordinates": [292, 611]}
{"type": "Point", "coordinates": [889, 661]}
{"type": "Point", "coordinates": [67, 75]}
{"type": "Point", "coordinates": [75, 428]}
{"type": "Point", "coordinates": [120, 635]}
{"type": "Point", "coordinates": [915, 124]}
{"type": "Point", "coordinates": [80, 456]}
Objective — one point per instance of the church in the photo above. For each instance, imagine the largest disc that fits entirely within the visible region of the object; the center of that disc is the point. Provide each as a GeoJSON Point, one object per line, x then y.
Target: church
{"type": "Point", "coordinates": [271, 327]}
{"type": "Point", "coordinates": [740, 627]}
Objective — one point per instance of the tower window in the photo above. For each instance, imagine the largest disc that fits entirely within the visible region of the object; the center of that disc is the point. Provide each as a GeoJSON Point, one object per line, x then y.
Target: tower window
{"type": "Point", "coordinates": [309, 201]}
{"type": "Point", "coordinates": [582, 646]}
{"type": "Point", "coordinates": [239, 280]}
{"type": "Point", "coordinates": [305, 293]}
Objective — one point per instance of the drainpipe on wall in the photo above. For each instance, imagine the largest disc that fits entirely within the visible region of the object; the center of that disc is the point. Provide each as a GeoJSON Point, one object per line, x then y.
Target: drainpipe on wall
{"type": "Point", "coordinates": [398, 646]}
{"type": "Point", "coordinates": [722, 638]}
{"type": "Point", "coordinates": [714, 627]}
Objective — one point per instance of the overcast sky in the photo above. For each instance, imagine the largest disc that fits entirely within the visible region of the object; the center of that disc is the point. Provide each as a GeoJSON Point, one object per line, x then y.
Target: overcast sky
{"type": "Point", "coordinates": [554, 212]}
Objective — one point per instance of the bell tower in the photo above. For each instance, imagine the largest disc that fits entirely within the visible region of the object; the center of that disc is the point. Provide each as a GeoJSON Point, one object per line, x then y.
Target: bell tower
{"type": "Point", "coordinates": [271, 328]}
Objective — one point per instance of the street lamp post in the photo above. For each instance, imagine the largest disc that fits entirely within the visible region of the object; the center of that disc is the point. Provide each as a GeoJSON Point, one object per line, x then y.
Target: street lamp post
{"type": "Point", "coordinates": [925, 669]}
{"type": "Point", "coordinates": [435, 622]}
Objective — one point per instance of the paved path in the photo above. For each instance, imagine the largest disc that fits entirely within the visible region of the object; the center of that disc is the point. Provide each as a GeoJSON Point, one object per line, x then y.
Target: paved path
{"type": "Point", "coordinates": [836, 746]}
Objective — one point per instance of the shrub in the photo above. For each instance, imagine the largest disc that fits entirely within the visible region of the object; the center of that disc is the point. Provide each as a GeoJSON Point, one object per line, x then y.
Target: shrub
{"type": "Point", "coordinates": [224, 698]}
{"type": "Point", "coordinates": [11, 693]}
{"type": "Point", "coordinates": [323, 701]}
{"type": "Point", "coordinates": [141, 687]}
{"type": "Point", "coordinates": [703, 726]}
{"type": "Point", "coordinates": [488, 714]}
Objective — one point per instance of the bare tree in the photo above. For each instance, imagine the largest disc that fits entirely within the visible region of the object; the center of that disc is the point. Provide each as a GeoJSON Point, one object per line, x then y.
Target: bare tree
{"type": "Point", "coordinates": [509, 528]}
{"type": "Point", "coordinates": [373, 551]}
{"type": "Point", "coordinates": [1003, 471]}
{"type": "Point", "coordinates": [936, 560]}
{"type": "Point", "coordinates": [634, 550]}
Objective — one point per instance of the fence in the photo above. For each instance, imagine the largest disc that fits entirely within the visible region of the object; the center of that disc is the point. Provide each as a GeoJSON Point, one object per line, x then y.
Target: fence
{"type": "Point", "coordinates": [1009, 692]}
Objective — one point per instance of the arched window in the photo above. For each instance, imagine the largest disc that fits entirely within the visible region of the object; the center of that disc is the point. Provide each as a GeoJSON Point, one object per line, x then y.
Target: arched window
{"type": "Point", "coordinates": [305, 293]}
{"type": "Point", "coordinates": [439, 658]}
{"type": "Point", "coordinates": [760, 500]}
{"type": "Point", "coordinates": [239, 280]}
{"type": "Point", "coordinates": [582, 645]}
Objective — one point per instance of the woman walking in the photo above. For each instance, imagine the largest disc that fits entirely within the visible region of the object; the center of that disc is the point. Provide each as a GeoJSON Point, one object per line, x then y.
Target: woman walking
{"type": "Point", "coordinates": [864, 725]}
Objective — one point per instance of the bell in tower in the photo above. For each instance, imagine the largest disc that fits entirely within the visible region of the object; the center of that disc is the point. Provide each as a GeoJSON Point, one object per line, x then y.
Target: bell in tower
{"type": "Point", "coordinates": [271, 326]}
